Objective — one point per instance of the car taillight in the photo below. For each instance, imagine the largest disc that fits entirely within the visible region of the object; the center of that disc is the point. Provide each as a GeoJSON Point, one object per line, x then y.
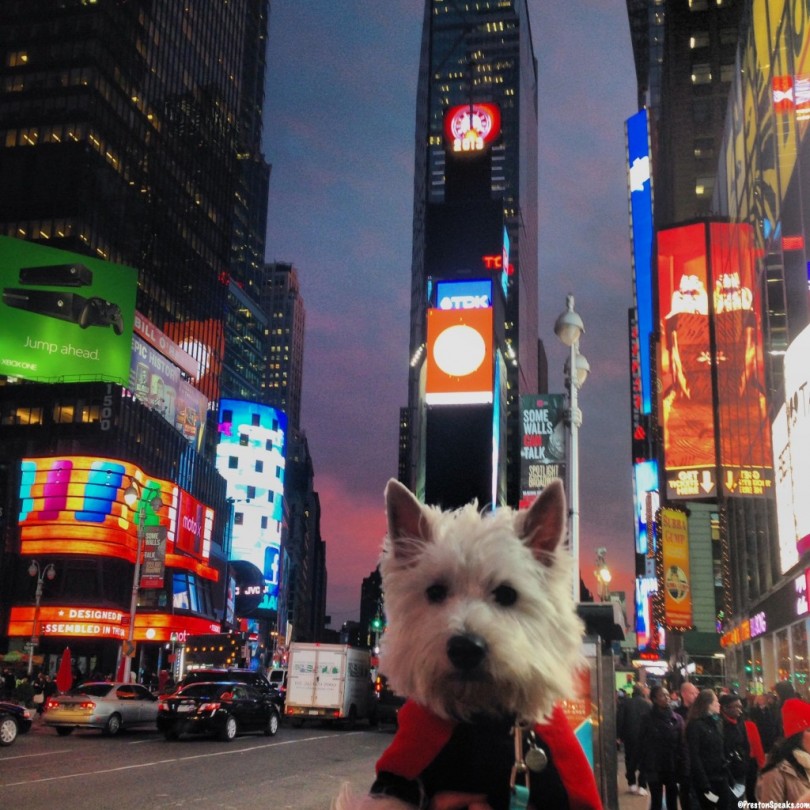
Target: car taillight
{"type": "Point", "coordinates": [210, 707]}
{"type": "Point", "coordinates": [87, 704]}
{"type": "Point", "coordinates": [26, 714]}
{"type": "Point", "coordinates": [51, 704]}
{"type": "Point", "coordinates": [163, 706]}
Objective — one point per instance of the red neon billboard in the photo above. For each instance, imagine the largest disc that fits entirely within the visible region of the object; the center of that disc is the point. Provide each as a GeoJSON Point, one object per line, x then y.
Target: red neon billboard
{"type": "Point", "coordinates": [711, 372]}
{"type": "Point", "coordinates": [471, 128]}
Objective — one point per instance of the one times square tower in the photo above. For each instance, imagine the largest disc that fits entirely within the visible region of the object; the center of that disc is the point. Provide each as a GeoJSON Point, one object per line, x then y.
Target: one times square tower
{"type": "Point", "coordinates": [473, 326]}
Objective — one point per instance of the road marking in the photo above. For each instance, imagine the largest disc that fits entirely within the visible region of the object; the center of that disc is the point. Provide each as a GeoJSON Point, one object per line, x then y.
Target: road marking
{"type": "Point", "coordinates": [43, 754]}
{"type": "Point", "coordinates": [169, 761]}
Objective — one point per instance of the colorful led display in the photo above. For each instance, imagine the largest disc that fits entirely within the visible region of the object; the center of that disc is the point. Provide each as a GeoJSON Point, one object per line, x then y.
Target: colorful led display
{"type": "Point", "coordinates": [459, 356]}
{"type": "Point", "coordinates": [791, 439]}
{"type": "Point", "coordinates": [542, 443]}
{"type": "Point", "coordinates": [675, 575]}
{"type": "Point", "coordinates": [105, 623]}
{"type": "Point", "coordinates": [251, 458]}
{"type": "Point", "coordinates": [639, 181]}
{"type": "Point", "coordinates": [156, 382]}
{"type": "Point", "coordinates": [706, 285]}
{"type": "Point", "coordinates": [647, 501]}
{"type": "Point", "coordinates": [205, 342]}
{"type": "Point", "coordinates": [471, 128]}
{"type": "Point", "coordinates": [473, 294]}
{"type": "Point", "coordinates": [64, 315]}
{"type": "Point", "coordinates": [76, 505]}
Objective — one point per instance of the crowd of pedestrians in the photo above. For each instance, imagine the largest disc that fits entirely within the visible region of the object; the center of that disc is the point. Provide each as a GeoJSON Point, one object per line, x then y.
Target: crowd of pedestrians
{"type": "Point", "coordinates": [708, 751]}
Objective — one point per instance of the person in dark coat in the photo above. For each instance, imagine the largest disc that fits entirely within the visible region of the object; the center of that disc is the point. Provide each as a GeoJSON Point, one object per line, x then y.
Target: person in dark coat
{"type": "Point", "coordinates": [764, 715]}
{"type": "Point", "coordinates": [736, 746]}
{"type": "Point", "coordinates": [784, 691]}
{"type": "Point", "coordinates": [707, 761]}
{"type": "Point", "coordinates": [662, 743]}
{"type": "Point", "coordinates": [628, 727]}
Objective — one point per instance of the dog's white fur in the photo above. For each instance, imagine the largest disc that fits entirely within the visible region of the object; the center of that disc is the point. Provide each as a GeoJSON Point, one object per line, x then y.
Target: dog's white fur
{"type": "Point", "coordinates": [533, 645]}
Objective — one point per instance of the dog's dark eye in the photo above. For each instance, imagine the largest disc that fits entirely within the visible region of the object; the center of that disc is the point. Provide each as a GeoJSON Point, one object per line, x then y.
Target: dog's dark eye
{"type": "Point", "coordinates": [436, 594]}
{"type": "Point", "coordinates": [505, 595]}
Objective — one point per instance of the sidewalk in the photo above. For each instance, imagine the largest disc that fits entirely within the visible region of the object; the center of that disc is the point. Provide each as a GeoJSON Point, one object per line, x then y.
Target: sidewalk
{"type": "Point", "coordinates": [627, 800]}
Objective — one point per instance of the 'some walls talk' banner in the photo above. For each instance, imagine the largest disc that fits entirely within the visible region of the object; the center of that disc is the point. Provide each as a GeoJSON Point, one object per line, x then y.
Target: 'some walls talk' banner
{"type": "Point", "coordinates": [64, 315]}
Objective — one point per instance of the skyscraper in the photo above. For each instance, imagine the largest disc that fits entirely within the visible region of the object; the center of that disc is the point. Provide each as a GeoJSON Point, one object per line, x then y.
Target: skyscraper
{"type": "Point", "coordinates": [131, 133]}
{"type": "Point", "coordinates": [475, 56]}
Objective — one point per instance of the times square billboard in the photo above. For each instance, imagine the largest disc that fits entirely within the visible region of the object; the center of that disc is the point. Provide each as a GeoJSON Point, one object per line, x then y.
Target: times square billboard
{"type": "Point", "coordinates": [65, 315]}
{"type": "Point", "coordinates": [711, 367]}
{"type": "Point", "coordinates": [251, 458]}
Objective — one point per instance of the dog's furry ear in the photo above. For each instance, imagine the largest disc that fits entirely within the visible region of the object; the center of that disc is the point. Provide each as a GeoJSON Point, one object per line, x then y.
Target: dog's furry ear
{"type": "Point", "coordinates": [542, 526]}
{"type": "Point", "coordinates": [407, 528]}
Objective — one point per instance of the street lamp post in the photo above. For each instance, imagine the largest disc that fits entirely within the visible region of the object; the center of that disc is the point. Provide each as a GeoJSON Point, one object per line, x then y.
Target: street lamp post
{"type": "Point", "coordinates": [134, 494]}
{"type": "Point", "coordinates": [568, 328]}
{"type": "Point", "coordinates": [36, 570]}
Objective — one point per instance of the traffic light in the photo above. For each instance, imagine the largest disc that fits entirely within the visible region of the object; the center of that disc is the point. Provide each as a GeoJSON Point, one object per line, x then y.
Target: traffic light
{"type": "Point", "coordinates": [377, 624]}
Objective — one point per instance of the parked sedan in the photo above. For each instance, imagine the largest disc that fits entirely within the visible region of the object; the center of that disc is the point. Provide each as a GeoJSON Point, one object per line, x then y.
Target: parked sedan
{"type": "Point", "coordinates": [102, 705]}
{"type": "Point", "coordinates": [222, 709]}
{"type": "Point", "coordinates": [14, 720]}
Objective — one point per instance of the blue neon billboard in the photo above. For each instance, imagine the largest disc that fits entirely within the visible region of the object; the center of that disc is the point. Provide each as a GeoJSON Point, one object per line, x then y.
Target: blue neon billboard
{"type": "Point", "coordinates": [251, 458]}
{"type": "Point", "coordinates": [639, 183]}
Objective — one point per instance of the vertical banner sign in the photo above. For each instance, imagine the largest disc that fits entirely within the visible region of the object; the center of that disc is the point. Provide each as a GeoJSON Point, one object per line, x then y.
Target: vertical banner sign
{"type": "Point", "coordinates": [675, 569]}
{"type": "Point", "coordinates": [154, 557]}
{"type": "Point", "coordinates": [685, 368]}
{"type": "Point", "coordinates": [542, 443]}
{"type": "Point", "coordinates": [744, 437]}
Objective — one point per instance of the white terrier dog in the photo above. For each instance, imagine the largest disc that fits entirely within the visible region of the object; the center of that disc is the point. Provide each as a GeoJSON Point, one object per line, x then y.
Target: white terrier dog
{"type": "Point", "coordinates": [484, 640]}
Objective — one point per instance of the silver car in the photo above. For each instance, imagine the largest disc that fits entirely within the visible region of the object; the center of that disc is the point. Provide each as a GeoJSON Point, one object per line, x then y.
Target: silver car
{"type": "Point", "coordinates": [102, 705]}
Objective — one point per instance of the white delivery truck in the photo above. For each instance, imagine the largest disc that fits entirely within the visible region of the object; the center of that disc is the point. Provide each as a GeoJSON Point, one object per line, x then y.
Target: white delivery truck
{"type": "Point", "coordinates": [329, 682]}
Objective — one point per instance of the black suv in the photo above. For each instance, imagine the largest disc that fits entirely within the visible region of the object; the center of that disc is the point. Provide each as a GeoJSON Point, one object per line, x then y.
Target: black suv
{"type": "Point", "coordinates": [248, 676]}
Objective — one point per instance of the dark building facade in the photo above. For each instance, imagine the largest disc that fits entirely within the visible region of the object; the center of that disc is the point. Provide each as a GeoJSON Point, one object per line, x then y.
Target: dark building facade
{"type": "Point", "coordinates": [130, 133]}
{"type": "Point", "coordinates": [482, 56]}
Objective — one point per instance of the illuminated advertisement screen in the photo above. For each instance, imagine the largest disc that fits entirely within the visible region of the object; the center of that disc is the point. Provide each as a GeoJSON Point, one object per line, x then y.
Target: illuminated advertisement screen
{"type": "Point", "coordinates": [251, 458]}
{"type": "Point", "coordinates": [791, 438]}
{"type": "Point", "coordinates": [205, 342]}
{"type": "Point", "coordinates": [676, 576]}
{"type": "Point", "coordinates": [645, 480]}
{"type": "Point", "coordinates": [685, 370]}
{"type": "Point", "coordinates": [745, 446]}
{"type": "Point", "coordinates": [459, 357]}
{"type": "Point", "coordinates": [76, 505]}
{"type": "Point", "coordinates": [474, 294]}
{"type": "Point", "coordinates": [542, 443]}
{"type": "Point", "coordinates": [157, 383]}
{"type": "Point", "coordinates": [645, 588]}
{"type": "Point", "coordinates": [469, 129]}
{"type": "Point", "coordinates": [639, 183]}
{"type": "Point", "coordinates": [64, 315]}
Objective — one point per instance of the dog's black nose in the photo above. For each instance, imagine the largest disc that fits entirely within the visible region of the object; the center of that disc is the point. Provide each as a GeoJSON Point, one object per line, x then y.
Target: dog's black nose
{"type": "Point", "coordinates": [466, 652]}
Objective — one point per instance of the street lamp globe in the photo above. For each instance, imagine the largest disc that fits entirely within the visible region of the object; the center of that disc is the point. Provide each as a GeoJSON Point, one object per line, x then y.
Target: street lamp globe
{"type": "Point", "coordinates": [569, 326]}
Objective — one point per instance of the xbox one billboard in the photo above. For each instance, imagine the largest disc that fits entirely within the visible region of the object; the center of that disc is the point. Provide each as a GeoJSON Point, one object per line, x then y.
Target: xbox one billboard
{"type": "Point", "coordinates": [64, 316]}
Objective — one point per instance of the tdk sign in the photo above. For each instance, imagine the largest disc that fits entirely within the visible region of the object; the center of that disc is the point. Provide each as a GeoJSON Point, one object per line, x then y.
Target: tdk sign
{"type": "Point", "coordinates": [464, 294]}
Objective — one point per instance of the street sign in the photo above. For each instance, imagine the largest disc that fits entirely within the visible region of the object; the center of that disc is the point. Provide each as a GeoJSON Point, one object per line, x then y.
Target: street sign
{"type": "Point", "coordinates": [128, 649]}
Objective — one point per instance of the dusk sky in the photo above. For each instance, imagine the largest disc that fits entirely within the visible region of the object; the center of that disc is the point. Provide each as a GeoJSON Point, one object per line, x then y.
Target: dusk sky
{"type": "Point", "coordinates": [339, 133]}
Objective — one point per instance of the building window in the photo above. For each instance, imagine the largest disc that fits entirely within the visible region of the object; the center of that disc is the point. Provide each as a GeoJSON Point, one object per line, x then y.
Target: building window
{"type": "Point", "coordinates": [244, 440]}
{"type": "Point", "coordinates": [698, 5]}
{"type": "Point", "coordinates": [233, 463]}
{"type": "Point", "coordinates": [702, 110]}
{"type": "Point", "coordinates": [251, 492]}
{"type": "Point", "coordinates": [239, 518]}
{"type": "Point", "coordinates": [727, 73]}
{"type": "Point", "coordinates": [259, 466]}
{"type": "Point", "coordinates": [699, 39]}
{"type": "Point", "coordinates": [704, 148]}
{"type": "Point", "coordinates": [704, 186]}
{"type": "Point", "coordinates": [701, 73]}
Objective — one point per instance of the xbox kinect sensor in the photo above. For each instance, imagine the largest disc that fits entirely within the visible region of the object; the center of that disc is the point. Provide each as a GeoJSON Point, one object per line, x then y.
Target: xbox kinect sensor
{"type": "Point", "coordinates": [66, 275]}
{"type": "Point", "coordinates": [67, 306]}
